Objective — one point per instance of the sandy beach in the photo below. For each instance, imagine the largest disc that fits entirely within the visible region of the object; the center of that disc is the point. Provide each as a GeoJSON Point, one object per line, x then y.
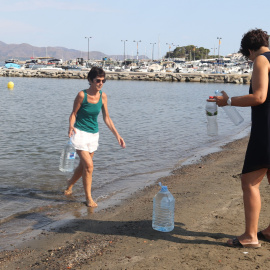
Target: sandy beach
{"type": "Point", "coordinates": [209, 210]}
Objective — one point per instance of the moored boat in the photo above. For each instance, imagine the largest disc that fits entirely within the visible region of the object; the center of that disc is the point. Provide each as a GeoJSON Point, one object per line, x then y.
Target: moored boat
{"type": "Point", "coordinates": [11, 61]}
{"type": "Point", "coordinates": [12, 65]}
{"type": "Point", "coordinates": [46, 68]}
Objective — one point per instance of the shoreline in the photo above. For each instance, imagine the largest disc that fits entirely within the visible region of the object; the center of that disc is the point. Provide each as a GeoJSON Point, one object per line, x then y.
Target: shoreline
{"type": "Point", "coordinates": [141, 76]}
{"type": "Point", "coordinates": [47, 217]}
{"type": "Point", "coordinates": [209, 210]}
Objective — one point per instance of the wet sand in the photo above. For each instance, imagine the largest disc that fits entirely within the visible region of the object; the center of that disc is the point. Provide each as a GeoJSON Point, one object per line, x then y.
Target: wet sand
{"type": "Point", "coordinates": [209, 210]}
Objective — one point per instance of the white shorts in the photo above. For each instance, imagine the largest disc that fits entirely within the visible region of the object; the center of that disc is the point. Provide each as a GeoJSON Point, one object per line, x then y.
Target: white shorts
{"type": "Point", "coordinates": [85, 141]}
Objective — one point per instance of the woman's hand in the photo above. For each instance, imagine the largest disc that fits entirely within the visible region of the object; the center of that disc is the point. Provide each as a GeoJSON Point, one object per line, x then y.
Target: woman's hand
{"type": "Point", "coordinates": [121, 142]}
{"type": "Point", "coordinates": [221, 101]}
{"type": "Point", "coordinates": [71, 131]}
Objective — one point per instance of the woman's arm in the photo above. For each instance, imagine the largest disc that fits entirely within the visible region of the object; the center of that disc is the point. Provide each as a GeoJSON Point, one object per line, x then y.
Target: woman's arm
{"type": "Point", "coordinates": [259, 86]}
{"type": "Point", "coordinates": [108, 121]}
{"type": "Point", "coordinates": [76, 106]}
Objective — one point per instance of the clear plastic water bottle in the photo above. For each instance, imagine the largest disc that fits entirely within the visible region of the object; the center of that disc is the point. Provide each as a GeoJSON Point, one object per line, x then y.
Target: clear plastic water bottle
{"type": "Point", "coordinates": [211, 114]}
{"type": "Point", "coordinates": [231, 112]}
{"type": "Point", "coordinates": [163, 210]}
{"type": "Point", "coordinates": [67, 158]}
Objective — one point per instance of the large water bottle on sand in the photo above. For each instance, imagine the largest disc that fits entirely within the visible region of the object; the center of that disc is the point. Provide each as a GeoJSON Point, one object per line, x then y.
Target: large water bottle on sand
{"type": "Point", "coordinates": [163, 210]}
{"type": "Point", "coordinates": [211, 114]}
{"type": "Point", "coordinates": [231, 112]}
{"type": "Point", "coordinates": [67, 158]}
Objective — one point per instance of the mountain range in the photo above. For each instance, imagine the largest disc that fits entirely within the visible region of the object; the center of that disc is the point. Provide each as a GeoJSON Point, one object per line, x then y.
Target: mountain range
{"type": "Point", "coordinates": [25, 51]}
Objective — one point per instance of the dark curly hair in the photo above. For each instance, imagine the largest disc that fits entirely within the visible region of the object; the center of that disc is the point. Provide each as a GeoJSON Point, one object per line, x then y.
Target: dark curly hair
{"type": "Point", "coordinates": [253, 40]}
{"type": "Point", "coordinates": [95, 72]}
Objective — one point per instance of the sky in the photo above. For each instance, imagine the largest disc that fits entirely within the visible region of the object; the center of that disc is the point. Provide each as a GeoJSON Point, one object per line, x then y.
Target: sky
{"type": "Point", "coordinates": [66, 23]}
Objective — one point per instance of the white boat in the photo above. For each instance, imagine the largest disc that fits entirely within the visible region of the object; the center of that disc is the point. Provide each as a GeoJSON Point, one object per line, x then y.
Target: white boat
{"type": "Point", "coordinates": [11, 61]}
{"type": "Point", "coordinates": [46, 68]}
{"type": "Point", "coordinates": [247, 70]}
{"type": "Point", "coordinates": [155, 68]}
{"type": "Point", "coordinates": [127, 69]}
{"type": "Point", "coordinates": [142, 69]}
{"type": "Point", "coordinates": [117, 69]}
{"type": "Point", "coordinates": [170, 69]}
{"type": "Point", "coordinates": [85, 69]}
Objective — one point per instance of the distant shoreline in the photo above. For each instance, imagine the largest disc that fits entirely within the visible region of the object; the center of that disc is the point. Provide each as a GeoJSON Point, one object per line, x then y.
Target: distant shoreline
{"type": "Point", "coordinates": [138, 76]}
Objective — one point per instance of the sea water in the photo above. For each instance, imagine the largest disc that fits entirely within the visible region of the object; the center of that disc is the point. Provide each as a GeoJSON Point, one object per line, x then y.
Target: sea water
{"type": "Point", "coordinates": [162, 123]}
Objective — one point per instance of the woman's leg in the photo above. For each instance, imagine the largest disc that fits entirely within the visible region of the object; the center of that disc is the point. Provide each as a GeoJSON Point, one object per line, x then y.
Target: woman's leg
{"type": "Point", "coordinates": [268, 175]}
{"type": "Point", "coordinates": [252, 204]}
{"type": "Point", "coordinates": [266, 232]}
{"type": "Point", "coordinates": [75, 177]}
{"type": "Point", "coordinates": [86, 159]}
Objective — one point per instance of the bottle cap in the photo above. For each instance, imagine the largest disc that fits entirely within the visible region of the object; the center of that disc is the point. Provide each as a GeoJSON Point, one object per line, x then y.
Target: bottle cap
{"type": "Point", "coordinates": [211, 97]}
{"type": "Point", "coordinates": [163, 188]}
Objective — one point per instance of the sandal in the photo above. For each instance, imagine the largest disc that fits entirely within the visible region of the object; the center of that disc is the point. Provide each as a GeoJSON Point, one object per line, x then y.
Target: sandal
{"type": "Point", "coordinates": [261, 236]}
{"type": "Point", "coordinates": [236, 243]}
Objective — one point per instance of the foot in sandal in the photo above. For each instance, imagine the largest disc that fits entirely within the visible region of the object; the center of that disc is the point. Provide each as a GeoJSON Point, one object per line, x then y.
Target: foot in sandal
{"type": "Point", "coordinates": [236, 243]}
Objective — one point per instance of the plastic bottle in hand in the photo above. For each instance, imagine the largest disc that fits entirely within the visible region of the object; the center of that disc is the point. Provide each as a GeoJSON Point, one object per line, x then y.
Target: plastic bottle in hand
{"type": "Point", "coordinates": [67, 158]}
{"type": "Point", "coordinates": [163, 210]}
{"type": "Point", "coordinates": [231, 112]}
{"type": "Point", "coordinates": [211, 114]}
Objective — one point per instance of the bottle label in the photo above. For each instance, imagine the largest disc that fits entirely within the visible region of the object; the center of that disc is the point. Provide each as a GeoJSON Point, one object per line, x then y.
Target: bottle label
{"type": "Point", "coordinates": [71, 155]}
{"type": "Point", "coordinates": [211, 113]}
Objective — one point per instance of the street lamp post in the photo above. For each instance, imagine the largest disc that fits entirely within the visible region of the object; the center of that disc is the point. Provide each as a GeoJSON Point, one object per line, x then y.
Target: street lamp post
{"type": "Point", "coordinates": [124, 40]}
{"type": "Point", "coordinates": [206, 53]}
{"type": "Point", "coordinates": [195, 51]}
{"type": "Point", "coordinates": [214, 50]}
{"type": "Point", "coordinates": [88, 46]}
{"type": "Point", "coordinates": [175, 48]}
{"type": "Point", "coordinates": [219, 38]}
{"type": "Point", "coordinates": [169, 50]}
{"type": "Point", "coordinates": [137, 48]}
{"type": "Point", "coordinates": [153, 50]}
{"type": "Point", "coordinates": [175, 45]}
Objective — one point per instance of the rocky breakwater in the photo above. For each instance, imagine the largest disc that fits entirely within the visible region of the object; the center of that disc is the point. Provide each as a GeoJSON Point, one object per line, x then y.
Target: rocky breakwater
{"type": "Point", "coordinates": [63, 74]}
{"type": "Point", "coordinates": [139, 76]}
{"type": "Point", "coordinates": [180, 77]}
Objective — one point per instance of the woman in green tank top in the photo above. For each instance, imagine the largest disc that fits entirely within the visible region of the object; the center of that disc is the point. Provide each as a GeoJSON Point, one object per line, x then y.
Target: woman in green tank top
{"type": "Point", "coordinates": [84, 127]}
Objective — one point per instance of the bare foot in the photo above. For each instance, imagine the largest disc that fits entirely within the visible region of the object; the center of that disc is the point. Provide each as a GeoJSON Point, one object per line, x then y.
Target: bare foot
{"type": "Point", "coordinates": [68, 192]}
{"type": "Point", "coordinates": [91, 203]}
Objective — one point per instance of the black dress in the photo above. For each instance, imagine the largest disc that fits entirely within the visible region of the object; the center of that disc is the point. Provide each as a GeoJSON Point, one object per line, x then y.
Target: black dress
{"type": "Point", "coordinates": [258, 150]}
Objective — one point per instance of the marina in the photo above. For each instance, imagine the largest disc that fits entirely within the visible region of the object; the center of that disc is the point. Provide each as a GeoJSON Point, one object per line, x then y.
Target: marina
{"type": "Point", "coordinates": [43, 71]}
{"type": "Point", "coordinates": [233, 69]}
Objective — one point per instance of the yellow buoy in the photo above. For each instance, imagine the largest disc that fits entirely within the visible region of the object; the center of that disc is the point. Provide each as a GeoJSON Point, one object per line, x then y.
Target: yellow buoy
{"type": "Point", "coordinates": [10, 85]}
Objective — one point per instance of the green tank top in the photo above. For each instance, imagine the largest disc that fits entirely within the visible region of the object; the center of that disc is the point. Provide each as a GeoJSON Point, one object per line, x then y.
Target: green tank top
{"type": "Point", "coordinates": [86, 119]}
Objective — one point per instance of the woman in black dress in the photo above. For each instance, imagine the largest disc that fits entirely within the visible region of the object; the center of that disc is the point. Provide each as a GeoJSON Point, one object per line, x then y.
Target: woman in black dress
{"type": "Point", "coordinates": [255, 47]}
